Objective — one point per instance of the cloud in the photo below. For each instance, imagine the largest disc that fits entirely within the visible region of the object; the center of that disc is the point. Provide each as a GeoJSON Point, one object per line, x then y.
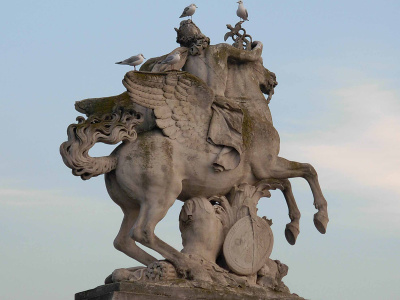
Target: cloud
{"type": "Point", "coordinates": [360, 155]}
{"type": "Point", "coordinates": [364, 146]}
{"type": "Point", "coordinates": [35, 198]}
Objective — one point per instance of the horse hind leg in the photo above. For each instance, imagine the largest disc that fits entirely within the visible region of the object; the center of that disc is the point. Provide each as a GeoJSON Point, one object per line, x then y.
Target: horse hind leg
{"type": "Point", "coordinates": [284, 169]}
{"type": "Point", "coordinates": [152, 211]}
{"type": "Point", "coordinates": [124, 243]}
{"type": "Point", "coordinates": [130, 208]}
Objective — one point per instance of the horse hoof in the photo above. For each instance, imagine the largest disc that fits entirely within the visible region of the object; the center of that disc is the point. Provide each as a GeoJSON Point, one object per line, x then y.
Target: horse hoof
{"type": "Point", "coordinates": [291, 233]}
{"type": "Point", "coordinates": [321, 221]}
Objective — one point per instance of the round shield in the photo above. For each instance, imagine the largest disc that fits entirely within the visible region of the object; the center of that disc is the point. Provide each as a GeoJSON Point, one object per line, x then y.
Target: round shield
{"type": "Point", "coordinates": [247, 245]}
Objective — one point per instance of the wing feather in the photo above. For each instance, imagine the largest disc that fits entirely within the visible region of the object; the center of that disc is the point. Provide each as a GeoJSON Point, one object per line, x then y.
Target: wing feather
{"type": "Point", "coordinates": [164, 123]}
{"type": "Point", "coordinates": [168, 89]}
{"type": "Point", "coordinates": [148, 96]}
{"type": "Point", "coordinates": [180, 97]}
{"type": "Point", "coordinates": [171, 81]}
{"type": "Point", "coordinates": [171, 102]}
{"type": "Point", "coordinates": [151, 81]}
{"type": "Point", "coordinates": [163, 112]}
{"type": "Point", "coordinates": [181, 90]}
{"type": "Point", "coordinates": [147, 89]}
{"type": "Point", "coordinates": [181, 103]}
{"type": "Point", "coordinates": [171, 132]}
{"type": "Point", "coordinates": [185, 83]}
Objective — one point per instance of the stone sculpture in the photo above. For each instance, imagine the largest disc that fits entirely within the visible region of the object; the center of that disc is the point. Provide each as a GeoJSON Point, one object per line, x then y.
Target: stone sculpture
{"type": "Point", "coordinates": [203, 135]}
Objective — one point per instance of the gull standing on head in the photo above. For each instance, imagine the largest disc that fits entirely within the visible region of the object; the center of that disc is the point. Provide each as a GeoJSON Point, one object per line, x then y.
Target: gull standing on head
{"type": "Point", "coordinates": [242, 11]}
{"type": "Point", "coordinates": [189, 11]}
{"type": "Point", "coordinates": [132, 61]}
{"type": "Point", "coordinates": [172, 59]}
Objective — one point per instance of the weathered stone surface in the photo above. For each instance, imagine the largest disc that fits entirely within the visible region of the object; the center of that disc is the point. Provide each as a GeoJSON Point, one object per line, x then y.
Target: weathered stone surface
{"type": "Point", "coordinates": [179, 289]}
{"type": "Point", "coordinates": [197, 129]}
{"type": "Point", "coordinates": [248, 245]}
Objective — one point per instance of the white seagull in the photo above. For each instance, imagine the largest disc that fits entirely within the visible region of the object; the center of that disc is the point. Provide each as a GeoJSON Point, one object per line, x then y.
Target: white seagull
{"type": "Point", "coordinates": [189, 11]}
{"type": "Point", "coordinates": [132, 61]}
{"type": "Point", "coordinates": [172, 59]}
{"type": "Point", "coordinates": [242, 11]}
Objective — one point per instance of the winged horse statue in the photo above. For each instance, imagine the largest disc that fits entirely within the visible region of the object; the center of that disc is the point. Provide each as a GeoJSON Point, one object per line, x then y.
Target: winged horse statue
{"type": "Point", "coordinates": [163, 121]}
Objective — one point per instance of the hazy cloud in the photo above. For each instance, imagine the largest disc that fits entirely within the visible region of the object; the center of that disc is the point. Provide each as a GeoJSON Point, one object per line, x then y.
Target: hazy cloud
{"type": "Point", "coordinates": [365, 146]}
{"type": "Point", "coordinates": [362, 151]}
{"type": "Point", "coordinates": [31, 197]}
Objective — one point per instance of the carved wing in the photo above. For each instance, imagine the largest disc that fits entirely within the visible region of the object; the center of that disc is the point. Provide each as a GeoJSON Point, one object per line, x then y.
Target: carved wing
{"type": "Point", "coordinates": [181, 103]}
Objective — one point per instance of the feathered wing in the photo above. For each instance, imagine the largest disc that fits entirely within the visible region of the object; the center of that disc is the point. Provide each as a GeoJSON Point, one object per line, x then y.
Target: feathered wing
{"type": "Point", "coordinates": [185, 12]}
{"type": "Point", "coordinates": [181, 103]}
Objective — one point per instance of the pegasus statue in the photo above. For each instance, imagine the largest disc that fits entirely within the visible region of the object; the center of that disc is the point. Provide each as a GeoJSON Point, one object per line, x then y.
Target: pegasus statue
{"type": "Point", "coordinates": [196, 132]}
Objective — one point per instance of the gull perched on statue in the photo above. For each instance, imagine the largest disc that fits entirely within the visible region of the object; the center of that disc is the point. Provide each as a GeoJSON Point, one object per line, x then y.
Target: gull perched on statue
{"type": "Point", "coordinates": [172, 59]}
{"type": "Point", "coordinates": [189, 11]}
{"type": "Point", "coordinates": [132, 61]}
{"type": "Point", "coordinates": [242, 11]}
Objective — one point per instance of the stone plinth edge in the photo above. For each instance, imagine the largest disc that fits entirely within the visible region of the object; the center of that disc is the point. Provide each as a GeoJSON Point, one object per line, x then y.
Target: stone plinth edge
{"type": "Point", "coordinates": [179, 289]}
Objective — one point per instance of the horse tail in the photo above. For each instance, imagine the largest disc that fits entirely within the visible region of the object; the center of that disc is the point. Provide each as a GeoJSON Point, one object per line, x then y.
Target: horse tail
{"type": "Point", "coordinates": [109, 129]}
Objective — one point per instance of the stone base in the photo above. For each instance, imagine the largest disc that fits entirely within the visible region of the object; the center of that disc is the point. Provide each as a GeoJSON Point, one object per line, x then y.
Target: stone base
{"type": "Point", "coordinates": [179, 289]}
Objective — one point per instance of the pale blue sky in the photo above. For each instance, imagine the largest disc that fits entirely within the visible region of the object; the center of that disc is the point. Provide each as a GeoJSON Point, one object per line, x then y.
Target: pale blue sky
{"type": "Point", "coordinates": [337, 106]}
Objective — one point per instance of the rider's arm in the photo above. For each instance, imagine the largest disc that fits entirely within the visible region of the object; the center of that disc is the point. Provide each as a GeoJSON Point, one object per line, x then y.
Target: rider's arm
{"type": "Point", "coordinates": [244, 55]}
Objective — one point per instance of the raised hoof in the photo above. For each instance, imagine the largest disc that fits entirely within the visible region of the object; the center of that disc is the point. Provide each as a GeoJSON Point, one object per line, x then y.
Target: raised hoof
{"type": "Point", "coordinates": [321, 221]}
{"type": "Point", "coordinates": [291, 233]}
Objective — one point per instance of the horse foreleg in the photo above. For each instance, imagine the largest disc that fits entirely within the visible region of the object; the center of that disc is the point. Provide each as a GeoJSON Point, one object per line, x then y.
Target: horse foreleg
{"type": "Point", "coordinates": [284, 169]}
{"type": "Point", "coordinates": [292, 229]}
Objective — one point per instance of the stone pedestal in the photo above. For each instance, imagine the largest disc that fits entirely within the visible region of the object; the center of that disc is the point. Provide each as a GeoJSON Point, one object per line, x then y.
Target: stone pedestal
{"type": "Point", "coordinates": [179, 290]}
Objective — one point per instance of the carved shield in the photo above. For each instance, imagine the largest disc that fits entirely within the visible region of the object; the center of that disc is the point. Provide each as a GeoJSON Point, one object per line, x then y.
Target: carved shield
{"type": "Point", "coordinates": [248, 244]}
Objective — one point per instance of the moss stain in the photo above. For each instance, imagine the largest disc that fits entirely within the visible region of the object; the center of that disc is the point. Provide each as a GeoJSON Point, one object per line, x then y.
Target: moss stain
{"type": "Point", "coordinates": [247, 129]}
{"type": "Point", "coordinates": [102, 106]}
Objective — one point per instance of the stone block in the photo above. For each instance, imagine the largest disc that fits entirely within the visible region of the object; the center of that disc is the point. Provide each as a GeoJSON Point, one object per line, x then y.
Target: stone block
{"type": "Point", "coordinates": [179, 290]}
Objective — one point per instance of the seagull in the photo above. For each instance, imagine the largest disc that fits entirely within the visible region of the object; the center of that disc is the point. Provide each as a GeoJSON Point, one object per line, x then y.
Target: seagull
{"type": "Point", "coordinates": [189, 11]}
{"type": "Point", "coordinates": [242, 11]}
{"type": "Point", "coordinates": [132, 61]}
{"type": "Point", "coordinates": [172, 59]}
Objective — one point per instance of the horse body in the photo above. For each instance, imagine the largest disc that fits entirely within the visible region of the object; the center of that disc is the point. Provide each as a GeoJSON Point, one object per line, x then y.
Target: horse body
{"type": "Point", "coordinates": [148, 172]}
{"type": "Point", "coordinates": [154, 170]}
{"type": "Point", "coordinates": [156, 161]}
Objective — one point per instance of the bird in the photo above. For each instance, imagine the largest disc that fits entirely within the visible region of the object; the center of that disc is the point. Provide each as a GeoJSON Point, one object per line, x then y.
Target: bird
{"type": "Point", "coordinates": [242, 11]}
{"type": "Point", "coordinates": [172, 59]}
{"type": "Point", "coordinates": [132, 61]}
{"type": "Point", "coordinates": [189, 11]}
